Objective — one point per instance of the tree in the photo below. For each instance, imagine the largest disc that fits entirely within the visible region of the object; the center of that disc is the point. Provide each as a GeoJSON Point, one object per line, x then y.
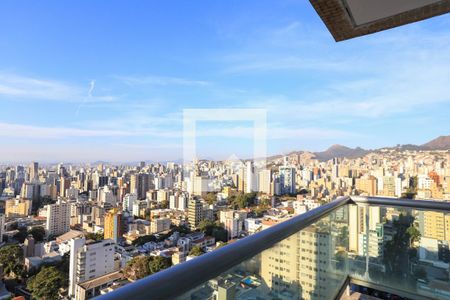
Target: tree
{"type": "Point", "coordinates": [98, 236]}
{"type": "Point", "coordinates": [396, 256]}
{"type": "Point", "coordinates": [211, 198]}
{"type": "Point", "coordinates": [137, 268]}
{"type": "Point", "coordinates": [206, 226]}
{"type": "Point", "coordinates": [38, 233]}
{"type": "Point", "coordinates": [11, 259]}
{"type": "Point", "coordinates": [180, 229]}
{"type": "Point", "coordinates": [158, 263]}
{"type": "Point", "coordinates": [164, 204]}
{"type": "Point", "coordinates": [43, 201]}
{"type": "Point", "coordinates": [244, 200]}
{"type": "Point", "coordinates": [196, 251]}
{"type": "Point", "coordinates": [212, 229]}
{"type": "Point", "coordinates": [47, 283]}
{"type": "Point", "coordinates": [144, 239]}
{"type": "Point", "coordinates": [142, 266]}
{"type": "Point", "coordinates": [21, 234]}
{"type": "Point", "coordinates": [220, 234]}
{"type": "Point", "coordinates": [414, 234]}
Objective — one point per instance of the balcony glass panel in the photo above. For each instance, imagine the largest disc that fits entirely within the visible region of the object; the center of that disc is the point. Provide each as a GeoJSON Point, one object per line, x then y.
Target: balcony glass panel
{"type": "Point", "coordinates": [310, 264]}
{"type": "Point", "coordinates": [401, 249]}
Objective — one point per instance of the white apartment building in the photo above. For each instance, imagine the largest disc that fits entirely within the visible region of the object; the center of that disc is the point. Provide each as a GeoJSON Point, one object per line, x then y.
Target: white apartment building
{"type": "Point", "coordinates": [159, 225]}
{"type": "Point", "coordinates": [252, 225]}
{"type": "Point", "coordinates": [178, 202]}
{"type": "Point", "coordinates": [128, 201]}
{"type": "Point", "coordinates": [58, 218]}
{"type": "Point", "coordinates": [233, 222]}
{"type": "Point", "coordinates": [265, 182]}
{"type": "Point", "coordinates": [300, 265]}
{"type": "Point", "coordinates": [424, 182]}
{"type": "Point", "coordinates": [105, 195]}
{"type": "Point", "coordinates": [250, 177]}
{"type": "Point", "coordinates": [89, 260]}
{"type": "Point", "coordinates": [287, 180]}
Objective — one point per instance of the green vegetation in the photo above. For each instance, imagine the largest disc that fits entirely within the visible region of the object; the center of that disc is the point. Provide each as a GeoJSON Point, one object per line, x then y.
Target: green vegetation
{"type": "Point", "coordinates": [46, 284]}
{"type": "Point", "coordinates": [243, 200]}
{"type": "Point", "coordinates": [21, 235]}
{"type": "Point", "coordinates": [158, 263]}
{"type": "Point", "coordinates": [164, 204]}
{"type": "Point", "coordinates": [161, 237]}
{"type": "Point", "coordinates": [144, 239]}
{"type": "Point", "coordinates": [412, 190]}
{"type": "Point", "coordinates": [38, 234]}
{"type": "Point", "coordinates": [213, 229]}
{"type": "Point", "coordinates": [260, 210]}
{"type": "Point", "coordinates": [211, 198]}
{"type": "Point", "coordinates": [98, 236]}
{"type": "Point", "coordinates": [414, 234]}
{"type": "Point", "coordinates": [342, 238]}
{"type": "Point", "coordinates": [11, 259]}
{"type": "Point", "coordinates": [181, 229]}
{"type": "Point", "coordinates": [196, 251]}
{"type": "Point", "coordinates": [142, 266]}
{"type": "Point", "coordinates": [396, 251]}
{"type": "Point", "coordinates": [40, 203]}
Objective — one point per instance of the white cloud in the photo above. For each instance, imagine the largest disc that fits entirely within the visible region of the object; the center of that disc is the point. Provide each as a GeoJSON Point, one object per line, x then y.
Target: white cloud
{"type": "Point", "coordinates": [13, 86]}
{"type": "Point", "coordinates": [160, 80]}
{"type": "Point", "coordinates": [41, 132]}
{"type": "Point", "coordinates": [378, 76]}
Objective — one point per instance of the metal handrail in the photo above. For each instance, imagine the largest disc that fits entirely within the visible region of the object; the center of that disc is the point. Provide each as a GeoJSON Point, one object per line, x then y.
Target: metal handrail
{"type": "Point", "coordinates": [435, 205]}
{"type": "Point", "coordinates": [179, 279]}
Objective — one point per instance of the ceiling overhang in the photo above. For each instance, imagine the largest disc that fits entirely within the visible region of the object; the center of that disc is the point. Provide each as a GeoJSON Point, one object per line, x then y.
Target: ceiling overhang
{"type": "Point", "coordinates": [346, 19]}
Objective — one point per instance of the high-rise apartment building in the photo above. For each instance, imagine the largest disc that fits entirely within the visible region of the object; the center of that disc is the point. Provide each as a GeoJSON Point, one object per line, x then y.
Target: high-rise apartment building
{"type": "Point", "coordinates": [34, 171]}
{"type": "Point", "coordinates": [233, 222]}
{"type": "Point", "coordinates": [367, 185]}
{"type": "Point", "coordinates": [435, 225]}
{"type": "Point", "coordinates": [128, 201]}
{"type": "Point", "coordinates": [64, 185]}
{"type": "Point", "coordinates": [265, 182]}
{"type": "Point", "coordinates": [58, 218]}
{"type": "Point", "coordinates": [195, 212]}
{"type": "Point", "coordinates": [113, 225]}
{"type": "Point", "coordinates": [89, 260]}
{"type": "Point", "coordinates": [300, 265]}
{"type": "Point", "coordinates": [17, 207]}
{"type": "Point", "coordinates": [287, 180]}
{"type": "Point", "coordinates": [30, 190]}
{"type": "Point", "coordinates": [250, 177]}
{"type": "Point", "coordinates": [140, 184]}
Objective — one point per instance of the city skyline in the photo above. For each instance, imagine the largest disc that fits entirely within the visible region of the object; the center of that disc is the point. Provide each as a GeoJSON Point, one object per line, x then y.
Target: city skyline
{"type": "Point", "coordinates": [86, 91]}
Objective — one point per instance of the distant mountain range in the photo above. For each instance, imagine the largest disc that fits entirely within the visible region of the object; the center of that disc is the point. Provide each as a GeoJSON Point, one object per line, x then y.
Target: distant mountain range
{"type": "Point", "coordinates": [340, 151]}
{"type": "Point", "coordinates": [440, 143]}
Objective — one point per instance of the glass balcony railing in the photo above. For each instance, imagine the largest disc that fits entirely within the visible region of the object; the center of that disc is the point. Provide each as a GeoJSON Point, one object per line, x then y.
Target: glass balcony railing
{"type": "Point", "coordinates": [397, 246]}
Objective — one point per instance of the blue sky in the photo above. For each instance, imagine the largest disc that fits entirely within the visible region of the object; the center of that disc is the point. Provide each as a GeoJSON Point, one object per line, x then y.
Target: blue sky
{"type": "Point", "coordinates": [109, 80]}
